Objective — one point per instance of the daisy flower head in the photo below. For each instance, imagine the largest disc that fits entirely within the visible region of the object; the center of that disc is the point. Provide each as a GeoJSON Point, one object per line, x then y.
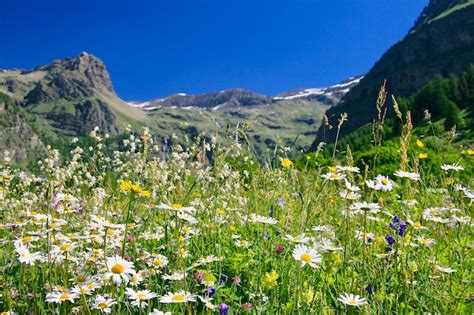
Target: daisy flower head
{"type": "Point", "coordinates": [179, 297]}
{"type": "Point", "coordinates": [103, 304]}
{"type": "Point", "coordinates": [307, 256]}
{"type": "Point", "coordinates": [428, 242]}
{"type": "Point", "coordinates": [61, 296]}
{"type": "Point", "coordinates": [119, 269]}
{"type": "Point", "coordinates": [301, 239]}
{"type": "Point", "coordinates": [177, 207]}
{"type": "Point", "coordinates": [159, 261]}
{"type": "Point", "coordinates": [452, 167]}
{"type": "Point", "coordinates": [333, 176]}
{"type": "Point", "coordinates": [445, 269]}
{"type": "Point", "coordinates": [140, 298]}
{"type": "Point", "coordinates": [351, 187]}
{"type": "Point", "coordinates": [157, 312]}
{"type": "Point", "coordinates": [349, 195]}
{"type": "Point", "coordinates": [351, 299]}
{"type": "Point", "coordinates": [383, 183]}
{"type": "Point", "coordinates": [352, 169]}
{"type": "Point", "coordinates": [359, 207]}
{"type": "Point", "coordinates": [409, 175]}
{"type": "Point", "coordinates": [262, 219]}
{"type": "Point", "coordinates": [25, 256]}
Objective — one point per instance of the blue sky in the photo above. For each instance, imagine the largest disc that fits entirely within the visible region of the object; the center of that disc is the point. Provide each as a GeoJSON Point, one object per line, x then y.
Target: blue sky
{"type": "Point", "coordinates": [156, 48]}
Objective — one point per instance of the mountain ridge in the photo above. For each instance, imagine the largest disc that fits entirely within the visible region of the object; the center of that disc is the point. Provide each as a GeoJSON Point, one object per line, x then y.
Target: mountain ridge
{"type": "Point", "coordinates": [442, 47]}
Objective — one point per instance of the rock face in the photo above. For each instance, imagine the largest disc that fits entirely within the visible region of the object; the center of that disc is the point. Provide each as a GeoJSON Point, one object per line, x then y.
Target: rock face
{"type": "Point", "coordinates": [440, 43]}
{"type": "Point", "coordinates": [74, 95]}
{"type": "Point", "coordinates": [16, 136]}
{"type": "Point", "coordinates": [214, 100]}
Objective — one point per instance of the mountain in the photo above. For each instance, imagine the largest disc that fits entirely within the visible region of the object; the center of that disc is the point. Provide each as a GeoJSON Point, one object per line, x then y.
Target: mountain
{"type": "Point", "coordinates": [72, 95]}
{"type": "Point", "coordinates": [16, 135]}
{"type": "Point", "coordinates": [289, 118]}
{"type": "Point", "coordinates": [440, 43]}
{"type": "Point", "coordinates": [235, 98]}
{"type": "Point", "coordinates": [214, 100]}
{"type": "Point", "coordinates": [68, 98]}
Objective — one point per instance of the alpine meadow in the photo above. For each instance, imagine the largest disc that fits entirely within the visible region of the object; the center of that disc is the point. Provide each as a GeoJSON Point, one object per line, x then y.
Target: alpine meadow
{"type": "Point", "coordinates": [354, 197]}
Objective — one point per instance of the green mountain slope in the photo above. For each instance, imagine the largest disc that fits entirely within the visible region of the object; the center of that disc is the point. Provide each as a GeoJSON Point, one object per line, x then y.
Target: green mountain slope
{"type": "Point", "coordinates": [440, 43]}
{"type": "Point", "coordinates": [72, 95]}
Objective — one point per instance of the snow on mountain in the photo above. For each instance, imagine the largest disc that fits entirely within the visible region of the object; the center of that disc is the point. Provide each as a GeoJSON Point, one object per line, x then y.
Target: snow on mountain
{"type": "Point", "coordinates": [336, 89]}
{"type": "Point", "coordinates": [241, 97]}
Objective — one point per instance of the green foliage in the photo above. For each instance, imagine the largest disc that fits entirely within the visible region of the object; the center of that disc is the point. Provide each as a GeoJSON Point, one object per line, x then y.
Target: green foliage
{"type": "Point", "coordinates": [388, 158]}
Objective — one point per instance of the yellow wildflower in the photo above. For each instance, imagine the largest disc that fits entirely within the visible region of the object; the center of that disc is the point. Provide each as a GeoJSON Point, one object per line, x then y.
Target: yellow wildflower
{"type": "Point", "coordinates": [420, 144]}
{"type": "Point", "coordinates": [270, 279]}
{"type": "Point", "coordinates": [286, 163]}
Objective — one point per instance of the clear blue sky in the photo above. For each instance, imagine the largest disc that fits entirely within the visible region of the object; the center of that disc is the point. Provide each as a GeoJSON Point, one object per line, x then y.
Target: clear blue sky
{"type": "Point", "coordinates": [156, 48]}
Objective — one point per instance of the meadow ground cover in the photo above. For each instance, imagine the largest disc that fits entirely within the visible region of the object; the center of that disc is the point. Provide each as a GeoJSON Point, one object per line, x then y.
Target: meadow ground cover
{"type": "Point", "coordinates": [209, 230]}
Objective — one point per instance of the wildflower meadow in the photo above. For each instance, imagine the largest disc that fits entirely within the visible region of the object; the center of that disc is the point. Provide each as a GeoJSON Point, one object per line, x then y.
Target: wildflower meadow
{"type": "Point", "coordinates": [213, 229]}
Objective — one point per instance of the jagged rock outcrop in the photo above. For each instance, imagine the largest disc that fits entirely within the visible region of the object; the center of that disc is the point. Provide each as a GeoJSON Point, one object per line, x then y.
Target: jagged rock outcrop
{"type": "Point", "coordinates": [74, 95]}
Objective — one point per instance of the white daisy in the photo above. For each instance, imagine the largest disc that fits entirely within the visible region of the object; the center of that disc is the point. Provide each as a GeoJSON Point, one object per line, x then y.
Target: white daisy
{"type": "Point", "coordinates": [61, 296]}
{"type": "Point", "coordinates": [445, 269]}
{"type": "Point", "coordinates": [351, 299]}
{"type": "Point", "coordinates": [333, 176]}
{"type": "Point", "coordinates": [159, 261]}
{"type": "Point", "coordinates": [261, 219]}
{"type": "Point", "coordinates": [103, 304]}
{"type": "Point", "coordinates": [383, 183]}
{"type": "Point", "coordinates": [25, 256]}
{"type": "Point", "coordinates": [176, 207]}
{"type": "Point", "coordinates": [452, 167]}
{"type": "Point", "coordinates": [403, 174]}
{"type": "Point", "coordinates": [140, 297]}
{"type": "Point", "coordinates": [428, 242]}
{"type": "Point", "coordinates": [307, 255]}
{"type": "Point", "coordinates": [301, 239]}
{"type": "Point", "coordinates": [359, 207]}
{"type": "Point", "coordinates": [352, 169]}
{"type": "Point", "coordinates": [179, 297]}
{"type": "Point", "coordinates": [119, 269]}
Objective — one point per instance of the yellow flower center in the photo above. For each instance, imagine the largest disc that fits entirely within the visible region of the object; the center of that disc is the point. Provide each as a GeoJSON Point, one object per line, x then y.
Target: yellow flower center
{"type": "Point", "coordinates": [186, 230]}
{"type": "Point", "coordinates": [64, 296]}
{"type": "Point", "coordinates": [118, 268]}
{"type": "Point", "coordinates": [65, 247]}
{"type": "Point", "coordinates": [178, 298]}
{"type": "Point", "coordinates": [81, 278]}
{"type": "Point", "coordinates": [352, 302]}
{"type": "Point", "coordinates": [27, 239]}
{"type": "Point", "coordinates": [384, 182]}
{"type": "Point", "coordinates": [334, 175]}
{"type": "Point", "coordinates": [177, 206]}
{"type": "Point", "coordinates": [157, 262]}
{"type": "Point", "coordinates": [305, 257]}
{"type": "Point", "coordinates": [417, 225]}
{"type": "Point", "coordinates": [102, 305]}
{"type": "Point", "coordinates": [141, 296]}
